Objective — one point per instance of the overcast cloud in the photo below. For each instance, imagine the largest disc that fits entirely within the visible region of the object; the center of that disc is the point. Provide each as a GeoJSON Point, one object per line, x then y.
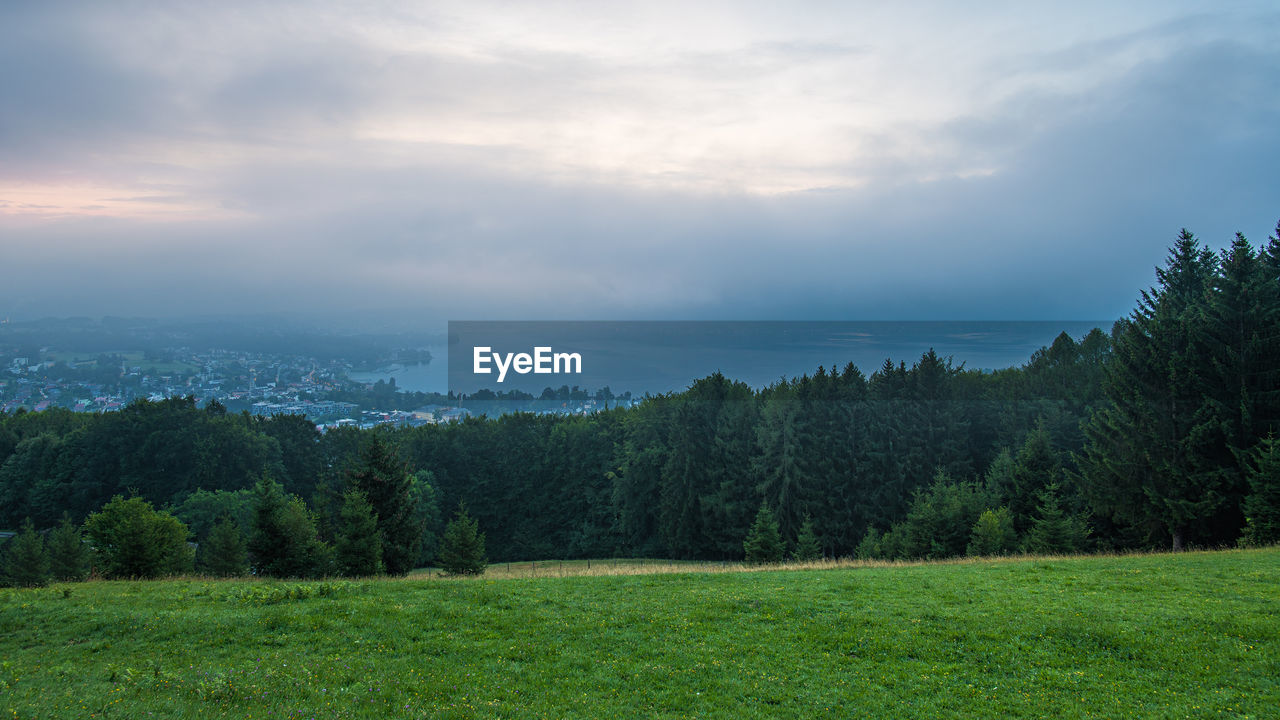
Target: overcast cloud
{"type": "Point", "coordinates": [595, 160]}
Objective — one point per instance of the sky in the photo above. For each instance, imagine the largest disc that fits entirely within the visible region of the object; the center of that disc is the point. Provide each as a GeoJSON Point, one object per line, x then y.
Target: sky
{"type": "Point", "coordinates": [420, 162]}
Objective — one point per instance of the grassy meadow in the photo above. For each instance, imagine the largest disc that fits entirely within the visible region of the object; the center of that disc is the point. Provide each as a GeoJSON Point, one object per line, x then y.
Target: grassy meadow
{"type": "Point", "coordinates": [1150, 636]}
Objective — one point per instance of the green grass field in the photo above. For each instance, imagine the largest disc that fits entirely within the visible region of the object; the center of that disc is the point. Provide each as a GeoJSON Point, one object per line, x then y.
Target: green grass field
{"type": "Point", "coordinates": [1151, 636]}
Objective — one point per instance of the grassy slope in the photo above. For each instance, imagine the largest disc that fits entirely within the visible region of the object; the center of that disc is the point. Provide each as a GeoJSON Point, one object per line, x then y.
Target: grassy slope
{"type": "Point", "coordinates": [1195, 635]}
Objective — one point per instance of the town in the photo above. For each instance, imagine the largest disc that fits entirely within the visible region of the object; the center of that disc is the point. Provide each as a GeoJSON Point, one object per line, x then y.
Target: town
{"type": "Point", "coordinates": [260, 383]}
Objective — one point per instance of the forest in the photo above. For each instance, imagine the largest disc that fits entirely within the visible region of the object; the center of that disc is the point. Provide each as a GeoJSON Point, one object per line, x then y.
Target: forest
{"type": "Point", "coordinates": [1160, 434]}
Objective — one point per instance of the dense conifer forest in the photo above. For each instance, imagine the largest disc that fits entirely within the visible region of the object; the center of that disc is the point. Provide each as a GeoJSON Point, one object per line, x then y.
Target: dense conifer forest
{"type": "Point", "coordinates": [1157, 435]}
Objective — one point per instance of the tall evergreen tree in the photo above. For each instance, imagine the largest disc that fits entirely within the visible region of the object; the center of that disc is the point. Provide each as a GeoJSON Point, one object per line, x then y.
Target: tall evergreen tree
{"type": "Point", "coordinates": [895, 476]}
{"type": "Point", "coordinates": [1035, 467]}
{"type": "Point", "coordinates": [937, 425]}
{"type": "Point", "coordinates": [68, 553]}
{"type": "Point", "coordinates": [726, 507]}
{"type": "Point", "coordinates": [780, 467]}
{"type": "Point", "coordinates": [284, 542]}
{"type": "Point", "coordinates": [1265, 380]}
{"type": "Point", "coordinates": [267, 545]}
{"type": "Point", "coordinates": [26, 562]}
{"type": "Point", "coordinates": [1149, 457]}
{"type": "Point", "coordinates": [1241, 314]}
{"type": "Point", "coordinates": [637, 483]}
{"type": "Point", "coordinates": [357, 546]}
{"type": "Point", "coordinates": [1234, 323]}
{"type": "Point", "coordinates": [1262, 506]}
{"type": "Point", "coordinates": [707, 450]}
{"type": "Point", "coordinates": [842, 419]}
{"type": "Point", "coordinates": [426, 502]}
{"type": "Point", "coordinates": [385, 480]}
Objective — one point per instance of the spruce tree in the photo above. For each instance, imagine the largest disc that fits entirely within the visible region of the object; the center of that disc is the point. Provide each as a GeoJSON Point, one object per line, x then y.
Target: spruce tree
{"type": "Point", "coordinates": [1266, 382]}
{"type": "Point", "coordinates": [266, 543]}
{"type": "Point", "coordinates": [26, 562]}
{"type": "Point", "coordinates": [993, 533]}
{"type": "Point", "coordinates": [939, 523]}
{"type": "Point", "coordinates": [1262, 506]}
{"type": "Point", "coordinates": [224, 552]}
{"type": "Point", "coordinates": [1150, 457]}
{"type": "Point", "coordinates": [428, 509]}
{"type": "Point", "coordinates": [1055, 532]}
{"type": "Point", "coordinates": [284, 541]}
{"type": "Point", "coordinates": [936, 426]}
{"type": "Point", "coordinates": [1037, 465]}
{"type": "Point", "coordinates": [357, 546]}
{"type": "Point", "coordinates": [779, 462]}
{"type": "Point", "coordinates": [462, 547]}
{"type": "Point", "coordinates": [1240, 384]}
{"type": "Point", "coordinates": [385, 480]}
{"type": "Point", "coordinates": [68, 553]}
{"type": "Point", "coordinates": [807, 545]}
{"type": "Point", "coordinates": [1235, 318]}
{"type": "Point", "coordinates": [710, 442]}
{"type": "Point", "coordinates": [869, 547]}
{"type": "Point", "coordinates": [763, 543]}
{"type": "Point", "coordinates": [131, 539]}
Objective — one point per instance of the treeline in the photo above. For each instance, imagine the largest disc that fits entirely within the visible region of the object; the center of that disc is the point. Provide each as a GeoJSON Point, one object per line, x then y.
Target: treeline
{"type": "Point", "coordinates": [1154, 435]}
{"type": "Point", "coordinates": [382, 526]}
